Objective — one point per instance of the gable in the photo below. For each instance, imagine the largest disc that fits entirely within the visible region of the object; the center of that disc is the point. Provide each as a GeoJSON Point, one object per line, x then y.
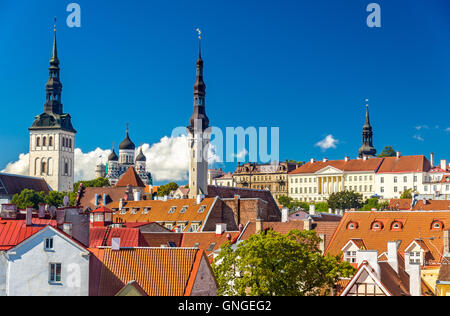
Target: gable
{"type": "Point", "coordinates": [329, 170]}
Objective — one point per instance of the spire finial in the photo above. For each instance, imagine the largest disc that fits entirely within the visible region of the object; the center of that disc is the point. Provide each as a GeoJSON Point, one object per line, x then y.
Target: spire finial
{"type": "Point", "coordinates": [199, 42]}
{"type": "Point", "coordinates": [128, 127]}
{"type": "Point", "coordinates": [55, 49]}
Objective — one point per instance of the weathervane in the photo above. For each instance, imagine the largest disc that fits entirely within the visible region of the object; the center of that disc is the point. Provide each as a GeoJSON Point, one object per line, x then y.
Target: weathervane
{"type": "Point", "coordinates": [199, 34]}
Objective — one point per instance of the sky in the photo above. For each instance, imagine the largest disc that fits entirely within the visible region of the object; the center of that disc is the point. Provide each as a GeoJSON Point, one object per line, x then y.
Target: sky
{"type": "Point", "coordinates": [306, 67]}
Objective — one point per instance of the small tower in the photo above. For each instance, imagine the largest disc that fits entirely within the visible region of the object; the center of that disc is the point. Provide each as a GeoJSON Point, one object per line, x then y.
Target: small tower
{"type": "Point", "coordinates": [52, 136]}
{"type": "Point", "coordinates": [367, 149]}
{"type": "Point", "coordinates": [112, 167]}
{"type": "Point", "coordinates": [199, 137]}
{"type": "Point", "coordinates": [126, 151]}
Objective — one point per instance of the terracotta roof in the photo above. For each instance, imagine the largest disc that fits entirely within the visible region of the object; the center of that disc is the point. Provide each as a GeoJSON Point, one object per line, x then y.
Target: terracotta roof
{"type": "Point", "coordinates": [444, 271]}
{"type": "Point", "coordinates": [159, 239]}
{"type": "Point", "coordinates": [13, 232]}
{"type": "Point", "coordinates": [432, 205]}
{"type": "Point", "coordinates": [87, 199]}
{"type": "Point", "coordinates": [415, 224]}
{"type": "Point", "coordinates": [371, 164]}
{"type": "Point", "coordinates": [132, 289]}
{"type": "Point", "coordinates": [159, 211]}
{"type": "Point", "coordinates": [159, 272]}
{"type": "Point", "coordinates": [445, 179]}
{"type": "Point", "coordinates": [11, 184]}
{"type": "Point", "coordinates": [130, 177]}
{"type": "Point", "coordinates": [102, 209]}
{"type": "Point", "coordinates": [405, 164]}
{"type": "Point", "coordinates": [208, 241]}
{"type": "Point", "coordinates": [129, 237]}
{"type": "Point", "coordinates": [325, 228]}
{"type": "Point", "coordinates": [400, 204]}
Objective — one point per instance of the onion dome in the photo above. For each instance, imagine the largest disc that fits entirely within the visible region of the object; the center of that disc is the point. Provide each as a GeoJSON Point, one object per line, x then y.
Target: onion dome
{"type": "Point", "coordinates": [127, 144]}
{"type": "Point", "coordinates": [141, 157]}
{"type": "Point", "coordinates": [113, 156]}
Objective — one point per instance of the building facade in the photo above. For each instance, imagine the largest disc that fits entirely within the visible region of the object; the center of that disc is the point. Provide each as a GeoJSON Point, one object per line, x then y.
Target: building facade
{"type": "Point", "coordinates": [271, 177]}
{"type": "Point", "coordinates": [52, 136]}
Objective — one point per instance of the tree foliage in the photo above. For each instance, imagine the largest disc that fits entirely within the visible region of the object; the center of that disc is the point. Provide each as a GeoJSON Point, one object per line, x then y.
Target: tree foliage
{"type": "Point", "coordinates": [167, 188]}
{"type": "Point", "coordinates": [96, 183]}
{"type": "Point", "coordinates": [388, 151]}
{"type": "Point", "coordinates": [407, 194]}
{"type": "Point", "coordinates": [31, 198]}
{"type": "Point", "coordinates": [292, 204]}
{"type": "Point", "coordinates": [345, 200]}
{"type": "Point", "coordinates": [271, 264]}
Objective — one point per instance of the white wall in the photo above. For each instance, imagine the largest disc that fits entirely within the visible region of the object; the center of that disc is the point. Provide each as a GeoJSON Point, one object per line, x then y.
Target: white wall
{"type": "Point", "coordinates": [28, 269]}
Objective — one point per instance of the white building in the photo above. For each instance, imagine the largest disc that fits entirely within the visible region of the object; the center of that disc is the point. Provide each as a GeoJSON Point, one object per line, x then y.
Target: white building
{"type": "Point", "coordinates": [52, 136]}
{"type": "Point", "coordinates": [49, 263]}
{"type": "Point", "coordinates": [226, 180]}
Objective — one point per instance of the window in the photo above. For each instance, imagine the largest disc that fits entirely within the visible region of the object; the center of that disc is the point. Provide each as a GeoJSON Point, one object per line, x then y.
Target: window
{"type": "Point", "coordinates": [382, 179]}
{"type": "Point", "coordinates": [211, 247]}
{"type": "Point", "coordinates": [172, 209]}
{"type": "Point", "coordinates": [66, 168]}
{"type": "Point", "coordinates": [184, 209]}
{"type": "Point", "coordinates": [48, 244]}
{"type": "Point", "coordinates": [414, 257]}
{"type": "Point", "coordinates": [405, 179]}
{"type": "Point", "coordinates": [395, 179]}
{"type": "Point", "coordinates": [350, 256]}
{"type": "Point", "coordinates": [146, 211]}
{"type": "Point", "coordinates": [415, 178]}
{"type": "Point", "coordinates": [50, 141]}
{"type": "Point", "coordinates": [123, 211]}
{"type": "Point", "coordinates": [44, 141]}
{"type": "Point", "coordinates": [44, 167]}
{"type": "Point", "coordinates": [38, 142]}
{"type": "Point", "coordinates": [55, 273]}
{"type": "Point", "coordinates": [395, 189]}
{"type": "Point", "coordinates": [202, 209]}
{"type": "Point", "coordinates": [134, 211]}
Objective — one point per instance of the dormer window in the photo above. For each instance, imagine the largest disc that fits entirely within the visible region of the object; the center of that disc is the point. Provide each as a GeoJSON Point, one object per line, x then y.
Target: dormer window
{"type": "Point", "coordinates": [184, 209]}
{"type": "Point", "coordinates": [202, 209]}
{"type": "Point", "coordinates": [377, 226]}
{"type": "Point", "coordinates": [123, 211]}
{"type": "Point", "coordinates": [134, 211]}
{"type": "Point", "coordinates": [146, 211]}
{"type": "Point", "coordinates": [172, 209]}
{"type": "Point", "coordinates": [437, 225]}
{"type": "Point", "coordinates": [396, 226]}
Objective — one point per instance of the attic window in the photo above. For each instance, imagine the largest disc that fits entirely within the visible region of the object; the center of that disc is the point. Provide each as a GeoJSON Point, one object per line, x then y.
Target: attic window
{"type": "Point", "coordinates": [146, 210]}
{"type": "Point", "coordinates": [377, 226]}
{"type": "Point", "coordinates": [123, 211]}
{"type": "Point", "coordinates": [352, 226]}
{"type": "Point", "coordinates": [437, 225]}
{"type": "Point", "coordinates": [172, 209]}
{"type": "Point", "coordinates": [397, 226]}
{"type": "Point", "coordinates": [202, 209]}
{"type": "Point", "coordinates": [184, 209]}
{"type": "Point", "coordinates": [134, 211]}
{"type": "Point", "coordinates": [196, 245]}
{"type": "Point", "coordinates": [211, 247]}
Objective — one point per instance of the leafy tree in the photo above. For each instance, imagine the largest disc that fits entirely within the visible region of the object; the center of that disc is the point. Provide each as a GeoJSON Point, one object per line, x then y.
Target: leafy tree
{"type": "Point", "coordinates": [167, 188]}
{"type": "Point", "coordinates": [322, 207]}
{"type": "Point", "coordinates": [388, 151]}
{"type": "Point", "coordinates": [96, 183]}
{"type": "Point", "coordinates": [292, 204]}
{"type": "Point", "coordinates": [56, 199]}
{"type": "Point", "coordinates": [28, 198]}
{"type": "Point", "coordinates": [407, 194]}
{"type": "Point", "coordinates": [300, 163]}
{"type": "Point", "coordinates": [285, 201]}
{"type": "Point", "coordinates": [345, 200]}
{"type": "Point", "coordinates": [271, 264]}
{"type": "Point", "coordinates": [370, 204]}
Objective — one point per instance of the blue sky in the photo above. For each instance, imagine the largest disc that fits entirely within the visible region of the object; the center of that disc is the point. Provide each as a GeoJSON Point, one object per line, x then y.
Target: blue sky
{"type": "Point", "coordinates": [303, 66]}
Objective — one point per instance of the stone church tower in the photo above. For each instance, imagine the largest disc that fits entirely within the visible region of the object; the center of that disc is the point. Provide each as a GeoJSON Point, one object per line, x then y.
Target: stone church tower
{"type": "Point", "coordinates": [52, 136]}
{"type": "Point", "coordinates": [199, 137]}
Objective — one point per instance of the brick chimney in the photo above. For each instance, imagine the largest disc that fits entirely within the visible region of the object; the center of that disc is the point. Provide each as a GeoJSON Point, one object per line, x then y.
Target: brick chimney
{"type": "Point", "coordinates": [259, 225]}
{"type": "Point", "coordinates": [446, 241]}
{"type": "Point", "coordinates": [432, 160]}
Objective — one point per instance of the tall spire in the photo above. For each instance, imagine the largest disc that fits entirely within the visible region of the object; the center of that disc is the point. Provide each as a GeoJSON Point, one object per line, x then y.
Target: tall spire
{"type": "Point", "coordinates": [199, 94]}
{"type": "Point", "coordinates": [367, 148]}
{"type": "Point", "coordinates": [54, 58]}
{"type": "Point", "coordinates": [54, 87]}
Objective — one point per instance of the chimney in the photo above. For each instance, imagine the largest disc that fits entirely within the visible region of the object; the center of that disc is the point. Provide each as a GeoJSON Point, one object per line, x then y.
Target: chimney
{"type": "Point", "coordinates": [399, 154]}
{"type": "Point", "coordinates": [392, 255]}
{"type": "Point", "coordinates": [121, 204]}
{"type": "Point", "coordinates": [29, 216]}
{"type": "Point", "coordinates": [41, 211]}
{"type": "Point", "coordinates": [200, 198]}
{"type": "Point", "coordinates": [115, 243]}
{"type": "Point", "coordinates": [285, 215]}
{"type": "Point", "coordinates": [446, 242]}
{"type": "Point", "coordinates": [444, 164]}
{"type": "Point", "coordinates": [67, 228]}
{"type": "Point", "coordinates": [221, 228]}
{"type": "Point", "coordinates": [312, 160]}
{"type": "Point", "coordinates": [312, 209]}
{"type": "Point", "coordinates": [307, 224]}
{"type": "Point", "coordinates": [60, 216]}
{"type": "Point", "coordinates": [347, 159]}
{"type": "Point", "coordinates": [432, 160]}
{"type": "Point", "coordinates": [322, 243]}
{"type": "Point", "coordinates": [241, 228]}
{"type": "Point", "coordinates": [259, 225]}
{"type": "Point", "coordinates": [371, 256]}
{"type": "Point", "coordinates": [137, 195]}
{"type": "Point", "coordinates": [325, 159]}
{"type": "Point", "coordinates": [415, 280]}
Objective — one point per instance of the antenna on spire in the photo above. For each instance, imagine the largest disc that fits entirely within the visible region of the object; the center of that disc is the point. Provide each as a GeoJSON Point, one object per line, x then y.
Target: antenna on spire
{"type": "Point", "coordinates": [55, 25]}
{"type": "Point", "coordinates": [199, 42]}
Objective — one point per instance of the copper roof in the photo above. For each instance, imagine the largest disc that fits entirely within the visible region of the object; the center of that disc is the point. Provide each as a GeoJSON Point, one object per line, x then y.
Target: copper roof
{"type": "Point", "coordinates": [159, 272]}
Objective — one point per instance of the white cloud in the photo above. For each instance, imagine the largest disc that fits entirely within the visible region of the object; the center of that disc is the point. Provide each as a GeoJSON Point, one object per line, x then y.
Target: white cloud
{"type": "Point", "coordinates": [420, 127]}
{"type": "Point", "coordinates": [447, 129]}
{"type": "Point", "coordinates": [418, 137]}
{"type": "Point", "coordinates": [241, 155]}
{"type": "Point", "coordinates": [167, 160]}
{"type": "Point", "coordinates": [327, 143]}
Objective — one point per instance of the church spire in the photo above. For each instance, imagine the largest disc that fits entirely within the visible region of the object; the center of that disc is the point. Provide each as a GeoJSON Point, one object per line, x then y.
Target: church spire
{"type": "Point", "coordinates": [367, 148]}
{"type": "Point", "coordinates": [199, 93]}
{"type": "Point", "coordinates": [54, 87]}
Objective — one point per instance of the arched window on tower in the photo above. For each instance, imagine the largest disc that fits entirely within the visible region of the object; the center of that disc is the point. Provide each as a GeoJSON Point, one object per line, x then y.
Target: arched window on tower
{"type": "Point", "coordinates": [70, 142]}
{"type": "Point", "coordinates": [64, 142]}
{"type": "Point", "coordinates": [50, 141]}
{"type": "Point", "coordinates": [38, 142]}
{"type": "Point", "coordinates": [44, 141]}
{"type": "Point", "coordinates": [43, 167]}
{"type": "Point", "coordinates": [66, 168]}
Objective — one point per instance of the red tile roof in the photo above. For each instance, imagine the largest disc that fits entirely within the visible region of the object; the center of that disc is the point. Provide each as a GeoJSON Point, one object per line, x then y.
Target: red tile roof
{"type": "Point", "coordinates": [371, 164]}
{"type": "Point", "coordinates": [159, 272]}
{"type": "Point", "coordinates": [415, 224]}
{"type": "Point", "coordinates": [129, 237]}
{"type": "Point", "coordinates": [130, 177]}
{"type": "Point", "coordinates": [405, 164]}
{"type": "Point", "coordinates": [208, 241]}
{"type": "Point", "coordinates": [13, 232]}
{"type": "Point", "coordinates": [155, 239]}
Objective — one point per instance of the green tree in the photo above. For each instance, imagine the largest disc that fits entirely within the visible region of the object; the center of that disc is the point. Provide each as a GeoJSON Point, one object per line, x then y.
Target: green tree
{"type": "Point", "coordinates": [345, 200]}
{"type": "Point", "coordinates": [96, 183]}
{"type": "Point", "coordinates": [271, 264]}
{"type": "Point", "coordinates": [300, 163]}
{"type": "Point", "coordinates": [56, 199]}
{"type": "Point", "coordinates": [370, 204]}
{"type": "Point", "coordinates": [407, 194]}
{"type": "Point", "coordinates": [285, 201]}
{"type": "Point", "coordinates": [388, 151]}
{"type": "Point", "coordinates": [28, 198]}
{"type": "Point", "coordinates": [322, 207]}
{"type": "Point", "coordinates": [167, 188]}
{"type": "Point", "coordinates": [292, 204]}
